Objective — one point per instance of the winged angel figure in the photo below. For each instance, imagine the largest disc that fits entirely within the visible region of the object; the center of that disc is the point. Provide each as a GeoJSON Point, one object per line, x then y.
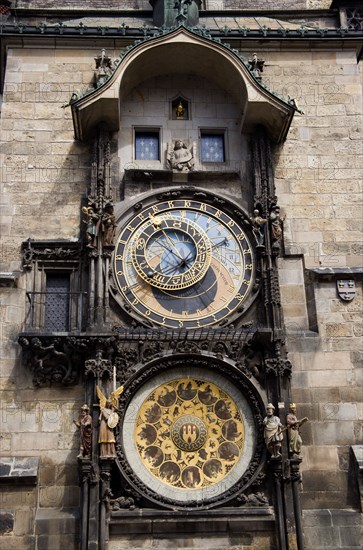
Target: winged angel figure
{"type": "Point", "coordinates": [108, 421]}
{"type": "Point", "coordinates": [180, 157]}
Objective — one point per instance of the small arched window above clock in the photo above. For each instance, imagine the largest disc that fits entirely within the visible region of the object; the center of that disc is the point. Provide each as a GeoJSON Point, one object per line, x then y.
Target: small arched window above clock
{"type": "Point", "coordinates": [180, 108]}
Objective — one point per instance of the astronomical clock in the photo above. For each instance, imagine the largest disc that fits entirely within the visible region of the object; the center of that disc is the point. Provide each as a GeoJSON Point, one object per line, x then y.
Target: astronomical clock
{"type": "Point", "coordinates": [184, 268]}
{"type": "Point", "coordinates": [184, 263]}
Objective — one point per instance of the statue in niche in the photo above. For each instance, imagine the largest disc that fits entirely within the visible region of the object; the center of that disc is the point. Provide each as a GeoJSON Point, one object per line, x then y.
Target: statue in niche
{"type": "Point", "coordinates": [272, 432]}
{"type": "Point", "coordinates": [170, 12]}
{"type": "Point", "coordinates": [108, 421]}
{"type": "Point", "coordinates": [92, 220]}
{"type": "Point", "coordinates": [293, 431]}
{"type": "Point", "coordinates": [180, 111]}
{"type": "Point", "coordinates": [182, 6]}
{"type": "Point", "coordinates": [258, 228]}
{"type": "Point", "coordinates": [85, 426]}
{"type": "Point", "coordinates": [180, 157]}
{"type": "Point", "coordinates": [276, 226]}
{"type": "Point", "coordinates": [108, 226]}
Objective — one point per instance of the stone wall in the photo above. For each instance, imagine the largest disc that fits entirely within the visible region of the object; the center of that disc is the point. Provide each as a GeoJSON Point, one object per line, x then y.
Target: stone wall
{"type": "Point", "coordinates": [319, 185]}
{"type": "Point", "coordinates": [86, 4]}
{"type": "Point", "coordinates": [150, 106]}
{"type": "Point", "coordinates": [317, 175]}
{"type": "Point", "coordinates": [39, 157]}
{"type": "Point", "coordinates": [206, 4]}
{"type": "Point", "coordinates": [44, 175]}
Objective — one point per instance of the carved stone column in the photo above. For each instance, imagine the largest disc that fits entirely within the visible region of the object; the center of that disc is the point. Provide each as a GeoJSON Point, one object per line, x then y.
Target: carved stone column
{"type": "Point", "coordinates": [295, 477]}
{"type": "Point", "coordinates": [277, 474]}
{"type": "Point", "coordinates": [85, 470]}
{"type": "Point", "coordinates": [105, 496]}
{"type": "Point", "coordinates": [100, 228]}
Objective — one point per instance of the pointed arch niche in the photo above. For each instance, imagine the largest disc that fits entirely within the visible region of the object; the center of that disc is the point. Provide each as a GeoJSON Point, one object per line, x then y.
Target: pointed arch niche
{"type": "Point", "coordinates": [177, 52]}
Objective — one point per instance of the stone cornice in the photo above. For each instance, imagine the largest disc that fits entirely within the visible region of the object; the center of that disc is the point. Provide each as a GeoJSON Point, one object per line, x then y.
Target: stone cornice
{"type": "Point", "coordinates": [332, 273]}
{"type": "Point", "coordinates": [65, 31]}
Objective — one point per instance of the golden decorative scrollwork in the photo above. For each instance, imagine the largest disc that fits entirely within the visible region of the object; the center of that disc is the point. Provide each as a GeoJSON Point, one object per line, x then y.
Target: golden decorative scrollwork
{"type": "Point", "coordinates": [189, 433]}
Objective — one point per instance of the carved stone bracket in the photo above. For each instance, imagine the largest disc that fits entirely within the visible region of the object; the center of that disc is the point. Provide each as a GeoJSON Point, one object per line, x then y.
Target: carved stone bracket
{"type": "Point", "coordinates": [278, 367]}
{"type": "Point", "coordinates": [253, 499]}
{"type": "Point", "coordinates": [295, 475]}
{"type": "Point", "coordinates": [85, 470]}
{"type": "Point", "coordinates": [98, 367]}
{"type": "Point", "coordinates": [62, 359]}
{"type": "Point", "coordinates": [53, 360]}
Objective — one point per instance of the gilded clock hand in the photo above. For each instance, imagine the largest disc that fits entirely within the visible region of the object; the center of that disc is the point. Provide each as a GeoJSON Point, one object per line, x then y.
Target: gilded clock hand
{"type": "Point", "coordinates": [169, 249]}
{"type": "Point", "coordinates": [176, 253]}
{"type": "Point", "coordinates": [216, 245]}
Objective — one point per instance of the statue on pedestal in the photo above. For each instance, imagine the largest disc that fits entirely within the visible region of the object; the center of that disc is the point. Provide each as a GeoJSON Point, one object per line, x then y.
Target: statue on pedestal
{"type": "Point", "coordinates": [258, 228]}
{"type": "Point", "coordinates": [272, 432]}
{"type": "Point", "coordinates": [293, 430]}
{"type": "Point", "coordinates": [85, 426]}
{"type": "Point", "coordinates": [108, 421]}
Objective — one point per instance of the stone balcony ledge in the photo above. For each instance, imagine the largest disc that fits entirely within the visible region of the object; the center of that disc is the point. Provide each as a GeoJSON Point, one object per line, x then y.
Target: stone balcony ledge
{"type": "Point", "coordinates": [19, 470]}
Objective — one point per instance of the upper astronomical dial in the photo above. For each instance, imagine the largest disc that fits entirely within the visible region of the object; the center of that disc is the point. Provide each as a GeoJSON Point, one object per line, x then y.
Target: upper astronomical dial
{"type": "Point", "coordinates": [184, 264]}
{"type": "Point", "coordinates": [171, 253]}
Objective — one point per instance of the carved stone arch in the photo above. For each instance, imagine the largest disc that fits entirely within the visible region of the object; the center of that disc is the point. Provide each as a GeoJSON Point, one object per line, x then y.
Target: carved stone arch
{"type": "Point", "coordinates": [184, 51]}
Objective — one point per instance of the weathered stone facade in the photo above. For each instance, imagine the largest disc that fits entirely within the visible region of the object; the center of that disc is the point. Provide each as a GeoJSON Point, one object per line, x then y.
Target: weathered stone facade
{"type": "Point", "coordinates": [46, 176]}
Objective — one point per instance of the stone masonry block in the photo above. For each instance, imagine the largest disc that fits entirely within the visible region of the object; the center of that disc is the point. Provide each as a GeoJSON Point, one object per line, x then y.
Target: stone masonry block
{"type": "Point", "coordinates": [328, 378]}
{"type": "Point", "coordinates": [338, 411]}
{"type": "Point", "coordinates": [351, 537]}
{"type": "Point", "coordinates": [321, 458]}
{"type": "Point", "coordinates": [317, 518]}
{"type": "Point", "coordinates": [11, 497]}
{"type": "Point", "coordinates": [325, 499]}
{"type": "Point", "coordinates": [320, 360]}
{"type": "Point", "coordinates": [34, 442]}
{"type": "Point", "coordinates": [59, 496]}
{"type": "Point", "coordinates": [56, 522]}
{"type": "Point", "coordinates": [346, 518]}
{"type": "Point", "coordinates": [321, 538]}
{"type": "Point", "coordinates": [24, 521]}
{"type": "Point", "coordinates": [21, 543]}
{"type": "Point", "coordinates": [47, 542]}
{"type": "Point", "coordinates": [333, 433]}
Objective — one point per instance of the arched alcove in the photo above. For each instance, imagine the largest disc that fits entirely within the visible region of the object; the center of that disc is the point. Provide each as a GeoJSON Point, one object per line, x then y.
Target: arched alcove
{"type": "Point", "coordinates": [182, 51]}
